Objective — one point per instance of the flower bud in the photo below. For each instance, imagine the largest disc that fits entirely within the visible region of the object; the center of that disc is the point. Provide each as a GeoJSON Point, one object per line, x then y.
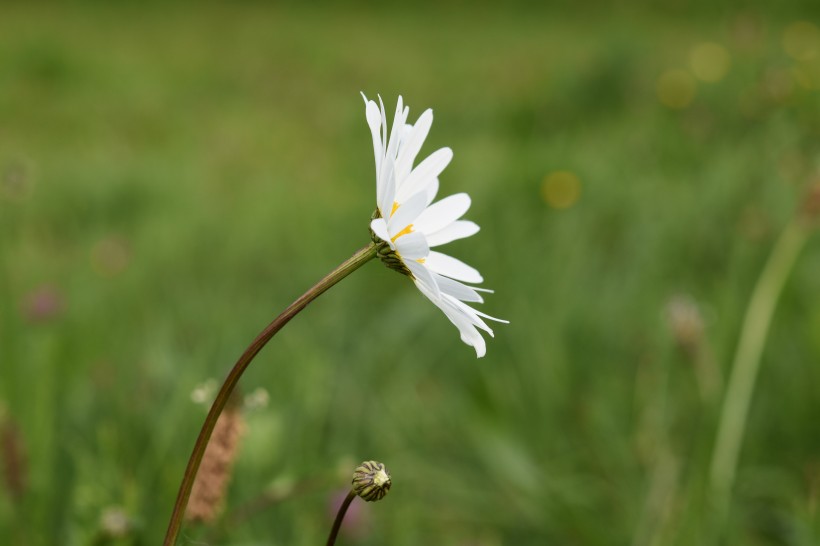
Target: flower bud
{"type": "Point", "coordinates": [371, 481]}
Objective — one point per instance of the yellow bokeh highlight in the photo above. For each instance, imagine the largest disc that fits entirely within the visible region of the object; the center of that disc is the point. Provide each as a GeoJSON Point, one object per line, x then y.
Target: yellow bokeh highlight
{"type": "Point", "coordinates": [801, 41]}
{"type": "Point", "coordinates": [676, 89]}
{"type": "Point", "coordinates": [560, 189]}
{"type": "Point", "coordinates": [807, 75]}
{"type": "Point", "coordinates": [709, 62]}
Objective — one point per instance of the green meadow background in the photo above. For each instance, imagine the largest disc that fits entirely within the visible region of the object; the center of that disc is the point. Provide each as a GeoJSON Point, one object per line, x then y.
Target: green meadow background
{"type": "Point", "coordinates": [173, 175]}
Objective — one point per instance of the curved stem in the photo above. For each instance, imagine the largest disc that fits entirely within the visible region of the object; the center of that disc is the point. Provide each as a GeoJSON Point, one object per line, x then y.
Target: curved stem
{"type": "Point", "coordinates": [354, 262]}
{"type": "Point", "coordinates": [747, 362]}
{"type": "Point", "coordinates": [340, 515]}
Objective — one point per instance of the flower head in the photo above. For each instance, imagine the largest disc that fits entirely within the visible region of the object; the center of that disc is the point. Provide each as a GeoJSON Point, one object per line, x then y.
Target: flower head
{"type": "Point", "coordinates": [371, 481]}
{"type": "Point", "coordinates": [409, 223]}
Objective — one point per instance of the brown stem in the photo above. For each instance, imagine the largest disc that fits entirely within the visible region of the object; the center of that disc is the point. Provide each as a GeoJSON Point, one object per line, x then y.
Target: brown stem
{"type": "Point", "coordinates": [340, 516]}
{"type": "Point", "coordinates": [354, 262]}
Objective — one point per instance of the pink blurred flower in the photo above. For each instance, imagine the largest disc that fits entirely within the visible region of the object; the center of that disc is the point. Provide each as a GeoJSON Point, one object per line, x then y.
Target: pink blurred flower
{"type": "Point", "coordinates": [356, 522]}
{"type": "Point", "coordinates": [42, 304]}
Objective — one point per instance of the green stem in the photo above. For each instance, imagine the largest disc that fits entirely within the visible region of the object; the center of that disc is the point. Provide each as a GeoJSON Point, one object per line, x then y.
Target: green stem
{"type": "Point", "coordinates": [340, 516]}
{"type": "Point", "coordinates": [354, 262]}
{"type": "Point", "coordinates": [746, 364]}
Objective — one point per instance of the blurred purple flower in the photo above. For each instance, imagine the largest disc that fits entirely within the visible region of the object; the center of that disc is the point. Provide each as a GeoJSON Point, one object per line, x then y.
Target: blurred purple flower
{"type": "Point", "coordinates": [42, 304]}
{"type": "Point", "coordinates": [355, 524]}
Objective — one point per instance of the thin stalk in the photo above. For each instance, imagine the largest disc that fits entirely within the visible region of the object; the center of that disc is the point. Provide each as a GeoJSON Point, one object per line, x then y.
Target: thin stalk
{"type": "Point", "coordinates": [340, 516]}
{"type": "Point", "coordinates": [361, 257]}
{"type": "Point", "coordinates": [735, 410]}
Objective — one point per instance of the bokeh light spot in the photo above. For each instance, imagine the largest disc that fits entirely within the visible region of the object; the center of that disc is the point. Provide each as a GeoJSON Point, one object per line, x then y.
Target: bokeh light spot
{"type": "Point", "coordinates": [110, 256]}
{"type": "Point", "coordinates": [685, 321]}
{"type": "Point", "coordinates": [205, 392]}
{"type": "Point", "coordinates": [258, 399]}
{"type": "Point", "coordinates": [806, 75]}
{"type": "Point", "coordinates": [676, 89]}
{"type": "Point", "coordinates": [801, 40]}
{"type": "Point", "coordinates": [709, 61]}
{"type": "Point", "coordinates": [560, 189]}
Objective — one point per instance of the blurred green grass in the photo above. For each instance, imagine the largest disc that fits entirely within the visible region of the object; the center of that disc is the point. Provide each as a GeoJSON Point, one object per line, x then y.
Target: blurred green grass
{"type": "Point", "coordinates": [173, 176]}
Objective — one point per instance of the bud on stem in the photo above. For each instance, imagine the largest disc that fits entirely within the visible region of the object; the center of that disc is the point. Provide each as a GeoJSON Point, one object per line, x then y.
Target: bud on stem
{"type": "Point", "coordinates": [371, 481]}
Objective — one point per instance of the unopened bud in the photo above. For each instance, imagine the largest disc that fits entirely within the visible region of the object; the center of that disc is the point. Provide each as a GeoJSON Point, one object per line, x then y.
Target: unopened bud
{"type": "Point", "coordinates": [371, 481]}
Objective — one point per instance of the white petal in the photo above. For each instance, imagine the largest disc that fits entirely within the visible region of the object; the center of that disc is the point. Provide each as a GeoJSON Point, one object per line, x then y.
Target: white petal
{"type": "Point", "coordinates": [486, 316]}
{"type": "Point", "coordinates": [472, 337]}
{"type": "Point", "coordinates": [432, 190]}
{"type": "Point", "coordinates": [474, 315]}
{"type": "Point", "coordinates": [374, 122]}
{"type": "Point", "coordinates": [457, 290]}
{"type": "Point", "coordinates": [412, 247]}
{"type": "Point", "coordinates": [424, 280]}
{"type": "Point", "coordinates": [467, 311]}
{"type": "Point", "coordinates": [379, 227]}
{"type": "Point", "coordinates": [384, 122]}
{"type": "Point", "coordinates": [457, 230]}
{"type": "Point", "coordinates": [412, 144]}
{"type": "Point", "coordinates": [395, 133]}
{"type": "Point", "coordinates": [439, 215]}
{"type": "Point", "coordinates": [407, 213]}
{"type": "Point", "coordinates": [451, 267]}
{"type": "Point", "coordinates": [388, 184]}
{"type": "Point", "coordinates": [405, 136]}
{"type": "Point", "coordinates": [469, 334]}
{"type": "Point", "coordinates": [428, 169]}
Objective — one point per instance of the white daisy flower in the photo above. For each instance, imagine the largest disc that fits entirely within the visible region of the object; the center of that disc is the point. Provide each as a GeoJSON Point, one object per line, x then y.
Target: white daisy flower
{"type": "Point", "coordinates": [410, 225]}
